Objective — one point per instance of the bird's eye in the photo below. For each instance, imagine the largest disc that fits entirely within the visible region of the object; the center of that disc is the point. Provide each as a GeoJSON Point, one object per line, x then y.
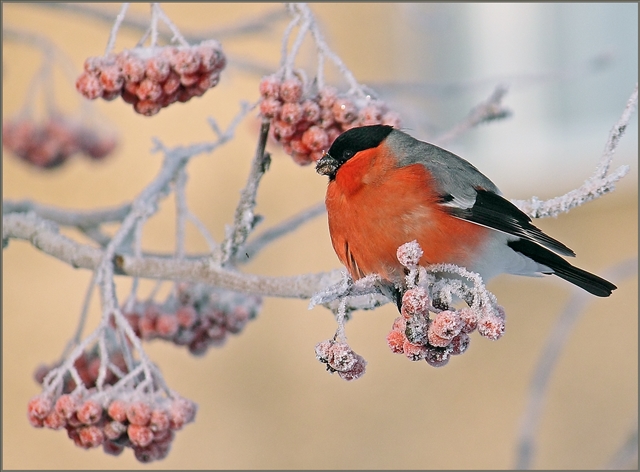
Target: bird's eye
{"type": "Point", "coordinates": [348, 154]}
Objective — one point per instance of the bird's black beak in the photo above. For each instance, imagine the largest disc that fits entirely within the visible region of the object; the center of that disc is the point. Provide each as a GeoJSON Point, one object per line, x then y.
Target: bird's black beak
{"type": "Point", "coordinates": [327, 166]}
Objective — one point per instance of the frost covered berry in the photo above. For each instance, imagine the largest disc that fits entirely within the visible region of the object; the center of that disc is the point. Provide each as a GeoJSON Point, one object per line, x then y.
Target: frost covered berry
{"type": "Point", "coordinates": [139, 413]}
{"type": "Point", "coordinates": [270, 87]}
{"type": "Point", "coordinates": [415, 301]}
{"type": "Point", "coordinates": [491, 326]}
{"type": "Point", "coordinates": [409, 254]}
{"type": "Point", "coordinates": [291, 90]}
{"type": "Point", "coordinates": [446, 324]}
{"type": "Point", "coordinates": [89, 85]}
{"type": "Point", "coordinates": [316, 139]}
{"type": "Point", "coordinates": [90, 412]}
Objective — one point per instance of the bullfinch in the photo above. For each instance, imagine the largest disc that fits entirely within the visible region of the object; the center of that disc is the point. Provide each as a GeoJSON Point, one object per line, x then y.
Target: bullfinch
{"type": "Point", "coordinates": [387, 188]}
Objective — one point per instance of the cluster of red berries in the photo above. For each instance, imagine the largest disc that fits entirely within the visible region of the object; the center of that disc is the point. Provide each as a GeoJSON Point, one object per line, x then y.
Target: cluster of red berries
{"type": "Point", "coordinates": [418, 336]}
{"type": "Point", "coordinates": [306, 126]}
{"type": "Point", "coordinates": [51, 143]}
{"type": "Point", "coordinates": [340, 358]}
{"type": "Point", "coordinates": [94, 419]}
{"type": "Point", "coordinates": [198, 318]}
{"type": "Point", "coordinates": [153, 78]}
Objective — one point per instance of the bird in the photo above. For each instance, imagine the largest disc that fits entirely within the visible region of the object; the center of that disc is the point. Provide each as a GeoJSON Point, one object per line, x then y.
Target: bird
{"type": "Point", "coordinates": [387, 188]}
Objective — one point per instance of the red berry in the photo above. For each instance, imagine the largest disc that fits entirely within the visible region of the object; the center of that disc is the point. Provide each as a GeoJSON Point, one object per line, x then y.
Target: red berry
{"type": "Point", "coordinates": [446, 324]}
{"type": "Point", "coordinates": [166, 325]}
{"type": "Point", "coordinates": [139, 435]}
{"type": "Point", "coordinates": [415, 352]}
{"type": "Point", "coordinates": [185, 61]}
{"type": "Point", "coordinates": [138, 413]}
{"type": "Point", "coordinates": [370, 114]}
{"type": "Point", "coordinates": [344, 111]}
{"type": "Point", "coordinates": [112, 448]}
{"type": "Point", "coordinates": [149, 90]}
{"type": "Point", "coordinates": [181, 412]}
{"type": "Point", "coordinates": [460, 343]}
{"type": "Point", "coordinates": [415, 301]}
{"type": "Point", "coordinates": [327, 97]}
{"type": "Point", "coordinates": [93, 65]}
{"type": "Point", "coordinates": [326, 118]}
{"type": "Point", "coordinates": [159, 421]}
{"type": "Point", "coordinates": [291, 113]}
{"type": "Point", "coordinates": [39, 406]}
{"type": "Point", "coordinates": [437, 356]}
{"type": "Point", "coordinates": [54, 420]}
{"type": "Point", "coordinates": [210, 55]}
{"type": "Point", "coordinates": [111, 78]}
{"type": "Point", "coordinates": [356, 371]}
{"type": "Point", "coordinates": [283, 130]}
{"type": "Point", "coordinates": [316, 139]}
{"type": "Point", "coordinates": [90, 412]}
{"type": "Point", "coordinates": [315, 156]}
{"type": "Point", "coordinates": [395, 341]}
{"type": "Point", "coordinates": [270, 87]}
{"type": "Point", "coordinates": [131, 88]}
{"type": "Point", "coordinates": [469, 319]}
{"type": "Point", "coordinates": [186, 316]}
{"type": "Point", "coordinates": [491, 326]}
{"type": "Point", "coordinates": [147, 107]}
{"type": "Point", "coordinates": [133, 68]}
{"type": "Point", "coordinates": [297, 145]}
{"type": "Point", "coordinates": [89, 85]}
{"type": "Point", "coordinates": [436, 340]}
{"type": "Point", "coordinates": [302, 159]}
{"type": "Point", "coordinates": [291, 90]}
{"type": "Point", "coordinates": [118, 410]}
{"type": "Point", "coordinates": [66, 405]}
{"type": "Point", "coordinates": [190, 79]}
{"type": "Point", "coordinates": [157, 69]}
{"type": "Point", "coordinates": [90, 436]}
{"type": "Point", "coordinates": [310, 111]}
{"type": "Point", "coordinates": [270, 107]}
{"type": "Point", "coordinates": [171, 84]}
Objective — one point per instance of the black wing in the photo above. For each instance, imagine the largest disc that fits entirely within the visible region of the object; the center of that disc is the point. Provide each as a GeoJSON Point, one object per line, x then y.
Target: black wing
{"type": "Point", "coordinates": [493, 211]}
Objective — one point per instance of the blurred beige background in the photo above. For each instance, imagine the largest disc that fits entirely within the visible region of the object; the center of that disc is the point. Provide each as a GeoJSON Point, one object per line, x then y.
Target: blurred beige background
{"type": "Point", "coordinates": [265, 402]}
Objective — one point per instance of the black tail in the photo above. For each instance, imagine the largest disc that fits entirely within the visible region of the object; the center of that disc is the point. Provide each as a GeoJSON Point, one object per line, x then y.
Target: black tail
{"type": "Point", "coordinates": [583, 279]}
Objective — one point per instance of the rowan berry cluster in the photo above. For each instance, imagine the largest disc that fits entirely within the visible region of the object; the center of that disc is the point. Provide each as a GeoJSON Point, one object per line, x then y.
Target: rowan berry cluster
{"type": "Point", "coordinates": [153, 78]}
{"type": "Point", "coordinates": [198, 317]}
{"type": "Point", "coordinates": [144, 423]}
{"type": "Point", "coordinates": [340, 358]}
{"type": "Point", "coordinates": [50, 143]}
{"type": "Point", "coordinates": [436, 338]}
{"type": "Point", "coordinates": [307, 123]}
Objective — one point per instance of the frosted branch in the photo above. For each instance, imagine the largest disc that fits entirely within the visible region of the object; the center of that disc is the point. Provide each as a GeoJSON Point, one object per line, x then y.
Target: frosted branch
{"type": "Point", "coordinates": [245, 219]}
{"type": "Point", "coordinates": [597, 185]}
{"type": "Point", "coordinates": [44, 236]}
{"type": "Point", "coordinates": [115, 28]}
{"type": "Point", "coordinates": [489, 110]}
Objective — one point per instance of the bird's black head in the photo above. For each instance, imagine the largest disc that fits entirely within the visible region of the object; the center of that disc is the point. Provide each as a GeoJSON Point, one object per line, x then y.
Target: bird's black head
{"type": "Point", "coordinates": [348, 144]}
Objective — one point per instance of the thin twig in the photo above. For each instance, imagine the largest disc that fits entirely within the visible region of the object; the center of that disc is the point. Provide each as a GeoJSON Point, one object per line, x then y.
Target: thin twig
{"type": "Point", "coordinates": [594, 187]}
{"type": "Point", "coordinates": [245, 219]}
{"type": "Point", "coordinates": [489, 110]}
{"type": "Point", "coordinates": [116, 27]}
